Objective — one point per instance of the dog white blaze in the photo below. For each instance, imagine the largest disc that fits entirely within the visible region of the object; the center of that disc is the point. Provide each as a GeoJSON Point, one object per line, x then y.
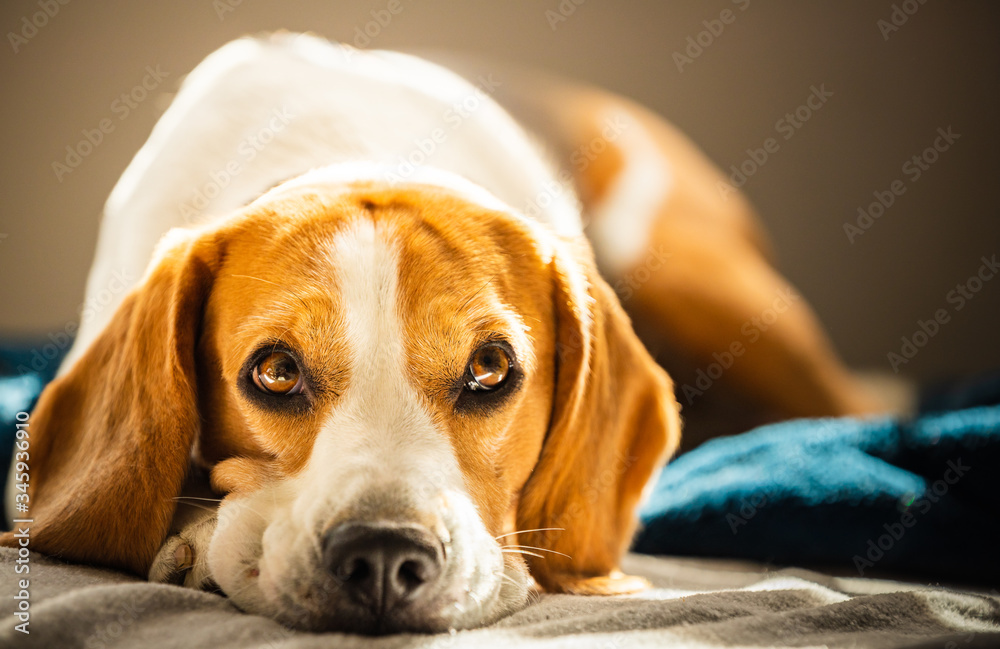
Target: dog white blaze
{"type": "Point", "coordinates": [380, 432]}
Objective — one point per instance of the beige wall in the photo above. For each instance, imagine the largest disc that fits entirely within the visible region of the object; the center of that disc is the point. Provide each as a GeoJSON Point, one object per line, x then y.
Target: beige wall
{"type": "Point", "coordinates": [939, 69]}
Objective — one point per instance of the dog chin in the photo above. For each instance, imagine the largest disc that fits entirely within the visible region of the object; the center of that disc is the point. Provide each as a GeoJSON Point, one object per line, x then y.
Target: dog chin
{"type": "Point", "coordinates": [281, 576]}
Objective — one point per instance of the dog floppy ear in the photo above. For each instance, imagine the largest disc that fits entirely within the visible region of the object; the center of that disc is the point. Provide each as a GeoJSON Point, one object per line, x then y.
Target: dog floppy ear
{"type": "Point", "coordinates": [110, 439]}
{"type": "Point", "coordinates": [614, 422]}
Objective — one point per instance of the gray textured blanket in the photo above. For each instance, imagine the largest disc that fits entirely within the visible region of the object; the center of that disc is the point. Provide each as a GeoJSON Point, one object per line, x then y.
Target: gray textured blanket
{"type": "Point", "coordinates": [696, 603]}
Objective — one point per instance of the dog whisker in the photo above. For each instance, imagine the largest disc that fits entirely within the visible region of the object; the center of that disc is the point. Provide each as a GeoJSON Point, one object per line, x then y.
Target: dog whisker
{"type": "Point", "coordinates": [478, 291]}
{"type": "Point", "coordinates": [532, 547]}
{"type": "Point", "coordinates": [504, 575]}
{"type": "Point", "coordinates": [533, 554]}
{"type": "Point", "coordinates": [280, 337]}
{"type": "Point", "coordinates": [533, 595]}
{"type": "Point", "coordinates": [203, 507]}
{"type": "Point", "coordinates": [540, 529]}
{"type": "Point", "coordinates": [213, 509]}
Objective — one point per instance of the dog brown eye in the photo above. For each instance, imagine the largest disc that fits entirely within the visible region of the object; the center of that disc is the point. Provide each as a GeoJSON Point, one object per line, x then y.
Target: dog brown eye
{"type": "Point", "coordinates": [278, 373]}
{"type": "Point", "coordinates": [488, 367]}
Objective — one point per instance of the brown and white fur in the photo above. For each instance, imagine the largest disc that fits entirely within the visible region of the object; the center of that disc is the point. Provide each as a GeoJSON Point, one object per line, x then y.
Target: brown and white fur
{"type": "Point", "coordinates": [381, 280]}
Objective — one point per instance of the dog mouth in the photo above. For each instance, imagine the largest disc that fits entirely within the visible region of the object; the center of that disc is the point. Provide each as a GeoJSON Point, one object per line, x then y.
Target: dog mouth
{"type": "Point", "coordinates": [379, 584]}
{"type": "Point", "coordinates": [376, 578]}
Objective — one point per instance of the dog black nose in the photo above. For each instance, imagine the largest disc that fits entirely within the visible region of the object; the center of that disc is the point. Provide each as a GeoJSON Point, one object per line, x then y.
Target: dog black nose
{"type": "Point", "coordinates": [382, 566]}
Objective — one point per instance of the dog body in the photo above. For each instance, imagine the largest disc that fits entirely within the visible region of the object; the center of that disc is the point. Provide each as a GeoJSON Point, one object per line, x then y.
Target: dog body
{"type": "Point", "coordinates": [373, 321]}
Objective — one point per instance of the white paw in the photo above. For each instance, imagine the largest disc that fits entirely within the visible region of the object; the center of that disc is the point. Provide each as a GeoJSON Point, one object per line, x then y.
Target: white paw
{"type": "Point", "coordinates": [183, 557]}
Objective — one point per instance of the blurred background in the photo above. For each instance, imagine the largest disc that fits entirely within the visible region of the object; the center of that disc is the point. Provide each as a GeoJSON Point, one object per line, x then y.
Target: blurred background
{"type": "Point", "coordinates": [897, 72]}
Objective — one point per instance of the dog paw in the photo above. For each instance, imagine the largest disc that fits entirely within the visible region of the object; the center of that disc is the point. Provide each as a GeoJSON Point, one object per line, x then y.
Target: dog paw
{"type": "Point", "coordinates": [182, 559]}
{"type": "Point", "coordinates": [614, 583]}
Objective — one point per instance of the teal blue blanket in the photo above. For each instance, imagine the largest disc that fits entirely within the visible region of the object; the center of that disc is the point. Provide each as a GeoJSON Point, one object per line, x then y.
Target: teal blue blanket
{"type": "Point", "coordinates": [877, 497]}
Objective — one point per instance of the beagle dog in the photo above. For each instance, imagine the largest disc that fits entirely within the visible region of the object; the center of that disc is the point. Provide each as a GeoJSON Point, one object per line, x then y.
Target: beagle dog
{"type": "Point", "coordinates": [370, 321]}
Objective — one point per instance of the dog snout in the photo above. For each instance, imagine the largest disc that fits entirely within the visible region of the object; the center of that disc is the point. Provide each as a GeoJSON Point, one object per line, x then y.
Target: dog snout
{"type": "Point", "coordinates": [383, 567]}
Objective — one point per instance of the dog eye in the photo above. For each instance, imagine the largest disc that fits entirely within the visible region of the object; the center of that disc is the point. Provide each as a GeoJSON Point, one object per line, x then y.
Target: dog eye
{"type": "Point", "coordinates": [278, 373]}
{"type": "Point", "coordinates": [488, 367]}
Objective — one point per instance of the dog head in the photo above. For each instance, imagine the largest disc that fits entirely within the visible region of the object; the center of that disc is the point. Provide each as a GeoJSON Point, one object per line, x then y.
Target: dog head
{"type": "Point", "coordinates": [414, 399]}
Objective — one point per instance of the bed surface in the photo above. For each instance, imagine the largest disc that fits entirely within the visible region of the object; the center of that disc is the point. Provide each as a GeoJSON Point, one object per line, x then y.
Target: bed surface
{"type": "Point", "coordinates": [695, 603]}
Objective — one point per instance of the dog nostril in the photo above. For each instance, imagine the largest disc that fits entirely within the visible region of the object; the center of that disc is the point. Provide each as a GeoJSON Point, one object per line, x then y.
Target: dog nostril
{"type": "Point", "coordinates": [382, 566]}
{"type": "Point", "coordinates": [412, 574]}
{"type": "Point", "coordinates": [357, 570]}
